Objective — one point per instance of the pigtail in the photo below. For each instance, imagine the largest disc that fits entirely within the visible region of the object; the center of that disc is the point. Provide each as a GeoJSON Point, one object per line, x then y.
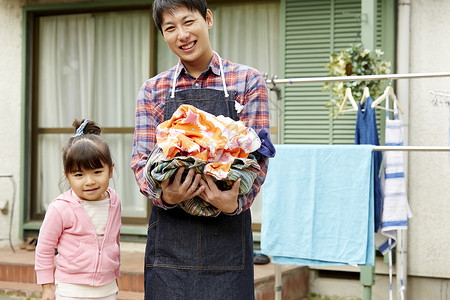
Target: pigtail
{"type": "Point", "coordinates": [86, 127]}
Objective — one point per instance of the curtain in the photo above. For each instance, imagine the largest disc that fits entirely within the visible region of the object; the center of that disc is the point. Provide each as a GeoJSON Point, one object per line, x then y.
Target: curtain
{"type": "Point", "coordinates": [91, 66]}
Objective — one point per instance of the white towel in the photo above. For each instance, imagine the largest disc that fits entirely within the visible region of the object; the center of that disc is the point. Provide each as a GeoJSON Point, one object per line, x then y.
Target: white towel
{"type": "Point", "coordinates": [396, 210]}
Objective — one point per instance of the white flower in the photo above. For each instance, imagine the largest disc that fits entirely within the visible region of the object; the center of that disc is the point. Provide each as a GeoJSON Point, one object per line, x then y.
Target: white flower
{"type": "Point", "coordinates": [378, 52]}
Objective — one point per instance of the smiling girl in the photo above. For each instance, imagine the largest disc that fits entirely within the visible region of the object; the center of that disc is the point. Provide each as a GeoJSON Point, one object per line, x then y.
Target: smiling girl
{"type": "Point", "coordinates": [83, 224]}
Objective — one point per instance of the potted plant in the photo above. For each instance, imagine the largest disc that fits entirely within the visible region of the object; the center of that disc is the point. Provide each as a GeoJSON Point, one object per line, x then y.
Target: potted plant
{"type": "Point", "coordinates": [355, 60]}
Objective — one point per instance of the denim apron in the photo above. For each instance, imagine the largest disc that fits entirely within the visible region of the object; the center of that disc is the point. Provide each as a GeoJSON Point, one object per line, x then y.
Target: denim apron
{"type": "Point", "coordinates": [193, 257]}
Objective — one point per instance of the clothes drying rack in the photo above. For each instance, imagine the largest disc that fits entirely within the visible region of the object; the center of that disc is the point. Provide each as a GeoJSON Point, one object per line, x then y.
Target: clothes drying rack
{"type": "Point", "coordinates": [272, 84]}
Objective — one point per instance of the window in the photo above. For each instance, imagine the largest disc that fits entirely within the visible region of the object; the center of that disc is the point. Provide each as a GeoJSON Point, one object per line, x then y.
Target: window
{"type": "Point", "coordinates": [86, 65]}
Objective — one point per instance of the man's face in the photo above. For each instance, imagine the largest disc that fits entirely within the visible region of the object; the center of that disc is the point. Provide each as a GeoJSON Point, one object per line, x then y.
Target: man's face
{"type": "Point", "coordinates": [187, 34]}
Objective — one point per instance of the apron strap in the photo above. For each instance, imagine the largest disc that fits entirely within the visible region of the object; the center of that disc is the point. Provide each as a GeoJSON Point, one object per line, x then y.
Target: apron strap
{"type": "Point", "coordinates": [222, 74]}
{"type": "Point", "coordinates": [174, 82]}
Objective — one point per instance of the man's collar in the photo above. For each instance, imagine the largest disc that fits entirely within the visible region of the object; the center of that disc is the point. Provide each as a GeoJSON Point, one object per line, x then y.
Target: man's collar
{"type": "Point", "coordinates": [214, 66]}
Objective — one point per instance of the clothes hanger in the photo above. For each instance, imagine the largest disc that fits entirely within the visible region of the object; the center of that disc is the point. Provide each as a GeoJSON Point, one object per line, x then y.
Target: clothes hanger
{"type": "Point", "coordinates": [388, 92]}
{"type": "Point", "coordinates": [365, 95]}
{"type": "Point", "coordinates": [349, 96]}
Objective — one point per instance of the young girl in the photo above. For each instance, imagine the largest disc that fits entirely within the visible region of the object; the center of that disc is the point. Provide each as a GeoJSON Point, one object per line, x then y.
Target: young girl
{"type": "Point", "coordinates": [83, 224]}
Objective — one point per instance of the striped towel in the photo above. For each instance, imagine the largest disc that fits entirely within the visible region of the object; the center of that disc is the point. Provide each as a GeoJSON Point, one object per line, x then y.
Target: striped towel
{"type": "Point", "coordinates": [396, 210]}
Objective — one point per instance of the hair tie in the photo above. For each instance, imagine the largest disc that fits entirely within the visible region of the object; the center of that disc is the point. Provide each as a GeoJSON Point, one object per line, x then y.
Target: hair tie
{"type": "Point", "coordinates": [80, 130]}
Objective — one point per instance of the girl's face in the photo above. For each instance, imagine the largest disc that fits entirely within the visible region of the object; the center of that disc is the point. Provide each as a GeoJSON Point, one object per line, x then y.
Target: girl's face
{"type": "Point", "coordinates": [90, 185]}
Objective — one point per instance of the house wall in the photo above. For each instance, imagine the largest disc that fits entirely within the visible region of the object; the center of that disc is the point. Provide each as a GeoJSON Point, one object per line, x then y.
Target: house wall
{"type": "Point", "coordinates": [429, 172]}
{"type": "Point", "coordinates": [10, 111]}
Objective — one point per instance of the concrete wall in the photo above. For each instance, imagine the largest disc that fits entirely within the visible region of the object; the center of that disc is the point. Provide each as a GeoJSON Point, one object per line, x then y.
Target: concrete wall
{"type": "Point", "coordinates": [429, 173]}
{"type": "Point", "coordinates": [10, 110]}
{"type": "Point", "coordinates": [419, 288]}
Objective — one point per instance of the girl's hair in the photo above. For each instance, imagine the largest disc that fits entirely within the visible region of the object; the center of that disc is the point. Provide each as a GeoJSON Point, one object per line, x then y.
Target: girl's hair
{"type": "Point", "coordinates": [86, 149]}
{"type": "Point", "coordinates": [168, 6]}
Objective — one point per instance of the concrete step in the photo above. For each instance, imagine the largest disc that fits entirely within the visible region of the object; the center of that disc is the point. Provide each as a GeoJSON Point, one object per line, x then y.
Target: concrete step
{"type": "Point", "coordinates": [20, 274]}
{"type": "Point", "coordinates": [17, 277]}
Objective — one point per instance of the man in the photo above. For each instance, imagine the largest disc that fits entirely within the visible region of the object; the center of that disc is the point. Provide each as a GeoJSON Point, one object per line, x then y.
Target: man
{"type": "Point", "coordinates": [192, 257]}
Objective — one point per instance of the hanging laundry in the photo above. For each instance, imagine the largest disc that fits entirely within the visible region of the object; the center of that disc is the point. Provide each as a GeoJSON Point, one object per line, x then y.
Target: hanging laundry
{"type": "Point", "coordinates": [216, 146]}
{"type": "Point", "coordinates": [396, 211]}
{"type": "Point", "coordinates": [366, 132]}
{"type": "Point", "coordinates": [318, 206]}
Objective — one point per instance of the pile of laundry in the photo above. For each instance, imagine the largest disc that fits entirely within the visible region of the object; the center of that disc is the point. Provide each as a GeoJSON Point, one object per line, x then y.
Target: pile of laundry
{"type": "Point", "coordinates": [213, 145]}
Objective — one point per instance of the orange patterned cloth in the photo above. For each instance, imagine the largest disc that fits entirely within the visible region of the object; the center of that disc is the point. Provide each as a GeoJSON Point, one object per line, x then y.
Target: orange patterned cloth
{"type": "Point", "coordinates": [217, 140]}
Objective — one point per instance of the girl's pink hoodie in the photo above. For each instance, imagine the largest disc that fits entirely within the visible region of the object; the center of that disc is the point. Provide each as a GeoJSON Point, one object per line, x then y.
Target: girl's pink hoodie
{"type": "Point", "coordinates": [80, 259]}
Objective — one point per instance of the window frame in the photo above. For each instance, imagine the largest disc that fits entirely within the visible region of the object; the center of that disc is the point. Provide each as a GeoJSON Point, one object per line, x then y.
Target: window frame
{"type": "Point", "coordinates": [29, 218]}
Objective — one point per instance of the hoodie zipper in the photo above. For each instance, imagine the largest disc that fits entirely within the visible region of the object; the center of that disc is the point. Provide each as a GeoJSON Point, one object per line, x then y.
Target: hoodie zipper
{"type": "Point", "coordinates": [100, 248]}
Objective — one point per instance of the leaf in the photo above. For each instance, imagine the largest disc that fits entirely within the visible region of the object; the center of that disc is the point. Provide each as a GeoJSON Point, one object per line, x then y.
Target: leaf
{"type": "Point", "coordinates": [364, 62]}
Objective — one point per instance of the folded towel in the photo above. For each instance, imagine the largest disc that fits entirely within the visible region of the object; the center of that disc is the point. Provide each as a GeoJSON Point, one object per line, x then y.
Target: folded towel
{"type": "Point", "coordinates": [318, 205]}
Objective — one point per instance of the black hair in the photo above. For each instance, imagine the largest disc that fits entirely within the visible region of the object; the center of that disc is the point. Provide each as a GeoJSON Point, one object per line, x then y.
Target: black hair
{"type": "Point", "coordinates": [88, 150]}
{"type": "Point", "coordinates": [168, 6]}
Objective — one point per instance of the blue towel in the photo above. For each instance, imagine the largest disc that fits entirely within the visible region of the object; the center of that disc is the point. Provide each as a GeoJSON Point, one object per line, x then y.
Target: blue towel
{"type": "Point", "coordinates": [318, 205]}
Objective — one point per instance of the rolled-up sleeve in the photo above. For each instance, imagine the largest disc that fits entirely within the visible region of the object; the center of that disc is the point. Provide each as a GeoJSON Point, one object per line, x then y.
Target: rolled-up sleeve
{"type": "Point", "coordinates": [149, 113]}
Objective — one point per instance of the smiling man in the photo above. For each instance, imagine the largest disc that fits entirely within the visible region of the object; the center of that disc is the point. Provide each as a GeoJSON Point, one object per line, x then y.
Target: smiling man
{"type": "Point", "coordinates": [187, 256]}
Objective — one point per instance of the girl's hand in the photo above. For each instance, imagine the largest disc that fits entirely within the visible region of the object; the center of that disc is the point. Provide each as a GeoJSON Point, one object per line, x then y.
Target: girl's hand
{"type": "Point", "coordinates": [47, 292]}
{"type": "Point", "coordinates": [177, 191]}
{"type": "Point", "coordinates": [226, 201]}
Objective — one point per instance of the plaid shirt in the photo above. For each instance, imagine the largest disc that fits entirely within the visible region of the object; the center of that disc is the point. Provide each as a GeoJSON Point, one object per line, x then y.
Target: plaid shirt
{"type": "Point", "coordinates": [251, 92]}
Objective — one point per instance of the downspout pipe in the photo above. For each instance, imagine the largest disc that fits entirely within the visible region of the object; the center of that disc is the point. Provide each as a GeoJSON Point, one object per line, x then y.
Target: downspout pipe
{"type": "Point", "coordinates": [403, 46]}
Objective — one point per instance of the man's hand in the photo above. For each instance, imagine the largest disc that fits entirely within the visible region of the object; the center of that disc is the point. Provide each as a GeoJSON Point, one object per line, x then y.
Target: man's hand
{"type": "Point", "coordinates": [226, 201]}
{"type": "Point", "coordinates": [177, 191]}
